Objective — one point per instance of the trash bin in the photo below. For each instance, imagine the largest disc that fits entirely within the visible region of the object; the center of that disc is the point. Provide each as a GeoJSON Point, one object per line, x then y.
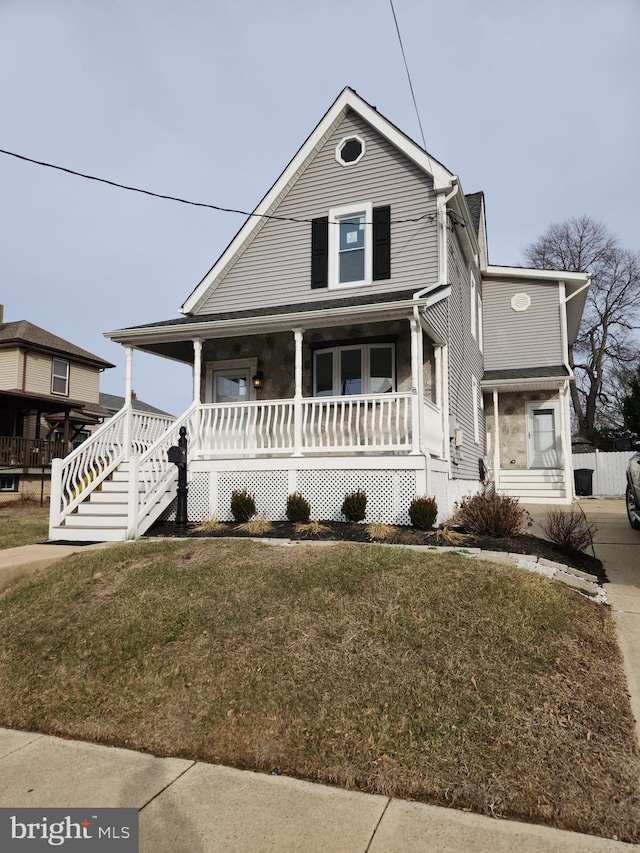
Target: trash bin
{"type": "Point", "coordinates": [583, 478]}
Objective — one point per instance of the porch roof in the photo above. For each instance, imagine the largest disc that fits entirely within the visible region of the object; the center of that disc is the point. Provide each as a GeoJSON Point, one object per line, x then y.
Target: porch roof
{"type": "Point", "coordinates": [525, 378]}
{"type": "Point", "coordinates": [173, 338]}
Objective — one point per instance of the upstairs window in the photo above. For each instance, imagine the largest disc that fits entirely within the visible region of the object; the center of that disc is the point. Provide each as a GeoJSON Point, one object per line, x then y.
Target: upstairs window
{"type": "Point", "coordinates": [351, 246]}
{"type": "Point", "coordinates": [60, 377]}
{"type": "Point", "coordinates": [348, 370]}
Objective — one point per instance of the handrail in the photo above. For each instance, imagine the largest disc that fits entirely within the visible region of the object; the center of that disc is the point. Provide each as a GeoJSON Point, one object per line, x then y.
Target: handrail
{"type": "Point", "coordinates": [155, 472]}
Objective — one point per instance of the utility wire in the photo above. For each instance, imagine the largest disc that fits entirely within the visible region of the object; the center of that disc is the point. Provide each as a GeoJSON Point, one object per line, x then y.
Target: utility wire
{"type": "Point", "coordinates": [424, 144]}
{"type": "Point", "coordinates": [184, 200]}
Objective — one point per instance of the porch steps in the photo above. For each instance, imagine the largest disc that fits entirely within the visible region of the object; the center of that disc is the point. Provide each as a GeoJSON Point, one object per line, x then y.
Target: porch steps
{"type": "Point", "coordinates": [534, 485]}
{"type": "Point", "coordinates": [103, 516]}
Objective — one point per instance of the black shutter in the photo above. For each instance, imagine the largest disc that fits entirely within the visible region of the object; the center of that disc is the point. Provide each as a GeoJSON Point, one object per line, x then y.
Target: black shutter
{"type": "Point", "coordinates": [320, 252]}
{"type": "Point", "coordinates": [381, 243]}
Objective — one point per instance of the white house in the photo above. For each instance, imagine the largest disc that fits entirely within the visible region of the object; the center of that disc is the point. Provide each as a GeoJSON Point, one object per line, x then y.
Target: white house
{"type": "Point", "coordinates": [352, 335]}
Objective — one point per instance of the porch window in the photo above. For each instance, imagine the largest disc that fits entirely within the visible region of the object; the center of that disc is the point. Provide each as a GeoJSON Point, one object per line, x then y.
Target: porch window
{"type": "Point", "coordinates": [60, 377]}
{"type": "Point", "coordinates": [350, 370]}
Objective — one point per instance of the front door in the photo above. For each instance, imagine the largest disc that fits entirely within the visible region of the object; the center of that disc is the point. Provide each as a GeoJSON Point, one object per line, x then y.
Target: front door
{"type": "Point", "coordinates": [543, 432]}
{"type": "Point", "coordinates": [230, 427]}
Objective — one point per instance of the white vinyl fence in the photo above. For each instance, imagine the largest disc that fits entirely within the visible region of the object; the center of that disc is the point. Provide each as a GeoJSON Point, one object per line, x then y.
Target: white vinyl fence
{"type": "Point", "coordinates": [609, 471]}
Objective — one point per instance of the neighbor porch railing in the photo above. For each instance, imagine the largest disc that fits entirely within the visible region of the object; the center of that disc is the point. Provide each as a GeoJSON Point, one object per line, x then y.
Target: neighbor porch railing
{"type": "Point", "coordinates": [29, 452]}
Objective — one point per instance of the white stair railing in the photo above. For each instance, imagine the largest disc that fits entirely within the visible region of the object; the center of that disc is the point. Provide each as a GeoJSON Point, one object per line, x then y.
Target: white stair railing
{"type": "Point", "coordinates": [153, 472]}
{"type": "Point", "coordinates": [76, 476]}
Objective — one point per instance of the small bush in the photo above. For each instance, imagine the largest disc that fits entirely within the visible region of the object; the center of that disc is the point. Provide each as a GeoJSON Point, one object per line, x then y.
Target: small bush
{"type": "Point", "coordinates": [570, 529]}
{"type": "Point", "coordinates": [210, 526]}
{"type": "Point", "coordinates": [298, 508]}
{"type": "Point", "coordinates": [243, 505]}
{"type": "Point", "coordinates": [423, 512]}
{"type": "Point", "coordinates": [354, 506]}
{"type": "Point", "coordinates": [493, 515]}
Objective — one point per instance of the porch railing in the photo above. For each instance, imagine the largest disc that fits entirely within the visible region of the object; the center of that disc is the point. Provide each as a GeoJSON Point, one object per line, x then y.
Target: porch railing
{"type": "Point", "coordinates": [359, 424]}
{"type": "Point", "coordinates": [432, 432]}
{"type": "Point", "coordinates": [29, 452]}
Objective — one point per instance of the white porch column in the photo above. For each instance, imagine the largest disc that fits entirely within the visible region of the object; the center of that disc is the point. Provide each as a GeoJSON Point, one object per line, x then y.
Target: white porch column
{"type": "Point", "coordinates": [496, 442]}
{"type": "Point", "coordinates": [128, 390]}
{"type": "Point", "coordinates": [197, 370]}
{"type": "Point", "coordinates": [565, 440]}
{"type": "Point", "coordinates": [415, 385]}
{"type": "Point", "coordinates": [297, 396]}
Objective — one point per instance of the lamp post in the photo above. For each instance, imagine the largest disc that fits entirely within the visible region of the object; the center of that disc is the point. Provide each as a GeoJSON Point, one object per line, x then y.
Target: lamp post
{"type": "Point", "coordinates": [178, 455]}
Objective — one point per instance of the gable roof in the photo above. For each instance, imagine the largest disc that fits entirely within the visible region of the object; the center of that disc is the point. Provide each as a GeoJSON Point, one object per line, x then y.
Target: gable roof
{"type": "Point", "coordinates": [22, 332]}
{"type": "Point", "coordinates": [348, 100]}
{"type": "Point", "coordinates": [474, 203]}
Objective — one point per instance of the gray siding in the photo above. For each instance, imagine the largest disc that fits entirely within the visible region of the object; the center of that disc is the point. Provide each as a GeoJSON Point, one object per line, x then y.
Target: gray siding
{"type": "Point", "coordinates": [275, 267]}
{"type": "Point", "coordinates": [465, 362]}
{"type": "Point", "coordinates": [531, 338]}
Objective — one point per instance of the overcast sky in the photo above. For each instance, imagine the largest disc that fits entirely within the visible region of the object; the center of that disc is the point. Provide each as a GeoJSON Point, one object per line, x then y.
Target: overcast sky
{"type": "Point", "coordinates": [536, 103]}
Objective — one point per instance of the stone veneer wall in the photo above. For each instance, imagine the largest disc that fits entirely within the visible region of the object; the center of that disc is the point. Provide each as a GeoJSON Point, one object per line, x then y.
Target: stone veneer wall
{"type": "Point", "coordinates": [276, 355]}
{"type": "Point", "coordinates": [512, 415]}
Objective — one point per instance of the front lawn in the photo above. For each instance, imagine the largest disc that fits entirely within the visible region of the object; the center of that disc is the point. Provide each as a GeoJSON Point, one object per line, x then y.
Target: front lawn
{"type": "Point", "coordinates": [23, 525]}
{"type": "Point", "coordinates": [433, 677]}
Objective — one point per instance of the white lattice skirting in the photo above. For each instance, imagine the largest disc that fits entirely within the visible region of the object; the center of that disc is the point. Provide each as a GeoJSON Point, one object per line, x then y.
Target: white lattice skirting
{"type": "Point", "coordinates": [389, 490]}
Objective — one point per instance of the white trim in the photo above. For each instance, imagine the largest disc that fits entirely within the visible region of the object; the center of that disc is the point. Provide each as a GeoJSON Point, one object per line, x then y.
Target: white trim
{"type": "Point", "coordinates": [347, 100]}
{"type": "Point", "coordinates": [531, 273]}
{"type": "Point", "coordinates": [341, 145]}
{"type": "Point", "coordinates": [473, 291]}
{"type": "Point", "coordinates": [480, 323]}
{"type": "Point", "coordinates": [336, 216]}
{"type": "Point", "coordinates": [476, 407]}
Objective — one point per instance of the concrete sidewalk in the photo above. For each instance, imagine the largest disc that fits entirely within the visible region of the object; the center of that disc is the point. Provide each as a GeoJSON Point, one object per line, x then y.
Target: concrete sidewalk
{"type": "Point", "coordinates": [18, 563]}
{"type": "Point", "coordinates": [191, 807]}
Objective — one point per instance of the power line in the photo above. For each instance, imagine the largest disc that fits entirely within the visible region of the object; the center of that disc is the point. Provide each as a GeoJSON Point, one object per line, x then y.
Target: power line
{"type": "Point", "coordinates": [424, 216]}
{"type": "Point", "coordinates": [424, 144]}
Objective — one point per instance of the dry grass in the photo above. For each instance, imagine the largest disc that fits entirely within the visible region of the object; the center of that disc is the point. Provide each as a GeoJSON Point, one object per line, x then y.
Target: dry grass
{"type": "Point", "coordinates": [256, 526]}
{"type": "Point", "coordinates": [23, 524]}
{"type": "Point", "coordinates": [379, 531]}
{"type": "Point", "coordinates": [210, 526]}
{"type": "Point", "coordinates": [425, 676]}
{"type": "Point", "coordinates": [308, 529]}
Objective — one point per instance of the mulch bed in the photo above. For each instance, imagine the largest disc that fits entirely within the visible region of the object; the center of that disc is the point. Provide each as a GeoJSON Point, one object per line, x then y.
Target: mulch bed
{"type": "Point", "coordinates": [345, 532]}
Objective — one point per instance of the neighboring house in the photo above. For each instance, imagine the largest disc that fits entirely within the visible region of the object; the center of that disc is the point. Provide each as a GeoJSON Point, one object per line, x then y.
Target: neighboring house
{"type": "Point", "coordinates": [49, 401]}
{"type": "Point", "coordinates": [352, 335]}
{"type": "Point", "coordinates": [113, 404]}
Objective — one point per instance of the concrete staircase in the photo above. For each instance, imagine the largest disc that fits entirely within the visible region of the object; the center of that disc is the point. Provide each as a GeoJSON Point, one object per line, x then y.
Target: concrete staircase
{"type": "Point", "coordinates": [103, 515]}
{"type": "Point", "coordinates": [535, 485]}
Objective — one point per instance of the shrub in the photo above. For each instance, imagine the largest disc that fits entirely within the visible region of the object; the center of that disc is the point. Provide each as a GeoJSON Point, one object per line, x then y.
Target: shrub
{"type": "Point", "coordinates": [243, 505]}
{"type": "Point", "coordinates": [298, 508]}
{"type": "Point", "coordinates": [570, 529]}
{"type": "Point", "coordinates": [423, 512]}
{"type": "Point", "coordinates": [492, 515]}
{"type": "Point", "coordinates": [354, 506]}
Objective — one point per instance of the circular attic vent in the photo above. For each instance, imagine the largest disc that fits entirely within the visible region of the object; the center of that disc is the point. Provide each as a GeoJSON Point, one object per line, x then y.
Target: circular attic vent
{"type": "Point", "coordinates": [350, 150]}
{"type": "Point", "coordinates": [520, 301]}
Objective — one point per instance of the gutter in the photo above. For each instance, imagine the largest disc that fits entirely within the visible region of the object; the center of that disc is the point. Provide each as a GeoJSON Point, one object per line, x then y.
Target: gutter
{"type": "Point", "coordinates": [186, 332]}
